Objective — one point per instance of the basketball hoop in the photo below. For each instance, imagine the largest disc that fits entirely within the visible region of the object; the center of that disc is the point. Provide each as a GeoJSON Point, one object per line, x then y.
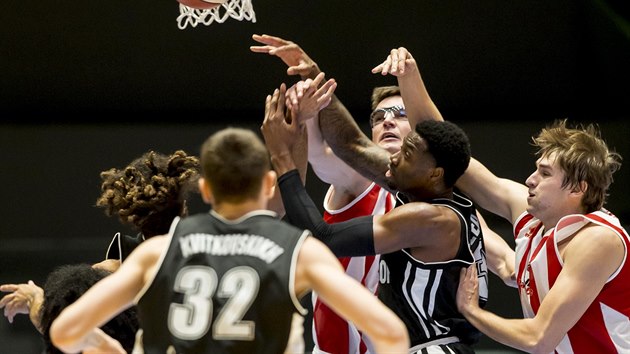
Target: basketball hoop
{"type": "Point", "coordinates": [236, 9]}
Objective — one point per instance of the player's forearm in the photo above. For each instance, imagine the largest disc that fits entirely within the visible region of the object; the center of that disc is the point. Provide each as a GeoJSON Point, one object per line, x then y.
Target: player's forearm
{"type": "Point", "coordinates": [487, 190]}
{"type": "Point", "coordinates": [299, 155]}
{"type": "Point", "coordinates": [521, 334]}
{"type": "Point", "coordinates": [286, 162]}
{"type": "Point", "coordinates": [283, 163]}
{"type": "Point", "coordinates": [317, 151]}
{"type": "Point", "coordinates": [325, 164]}
{"type": "Point", "coordinates": [418, 103]}
{"type": "Point", "coordinates": [500, 256]}
{"type": "Point", "coordinates": [349, 143]}
{"type": "Point", "coordinates": [345, 239]}
{"type": "Point", "coordinates": [338, 127]}
{"type": "Point", "coordinates": [35, 305]}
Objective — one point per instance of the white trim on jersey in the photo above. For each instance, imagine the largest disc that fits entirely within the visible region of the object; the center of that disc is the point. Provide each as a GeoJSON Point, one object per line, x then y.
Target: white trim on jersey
{"type": "Point", "coordinates": [442, 341]}
{"type": "Point", "coordinates": [294, 257]}
{"type": "Point", "coordinates": [158, 266]}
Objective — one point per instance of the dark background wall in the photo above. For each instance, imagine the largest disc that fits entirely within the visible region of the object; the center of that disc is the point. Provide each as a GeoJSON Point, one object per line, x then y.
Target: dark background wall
{"type": "Point", "coordinates": [91, 85]}
{"type": "Point", "coordinates": [101, 60]}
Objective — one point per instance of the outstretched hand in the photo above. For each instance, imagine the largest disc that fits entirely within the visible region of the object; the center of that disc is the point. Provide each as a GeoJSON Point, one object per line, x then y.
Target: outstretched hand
{"type": "Point", "coordinates": [291, 54]}
{"type": "Point", "coordinates": [280, 127]}
{"type": "Point", "coordinates": [468, 289]}
{"type": "Point", "coordinates": [399, 63]}
{"type": "Point", "coordinates": [21, 298]}
{"type": "Point", "coordinates": [306, 98]}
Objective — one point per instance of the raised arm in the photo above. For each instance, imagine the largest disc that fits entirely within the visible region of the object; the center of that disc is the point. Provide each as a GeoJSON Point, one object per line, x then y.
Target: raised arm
{"type": "Point", "coordinates": [326, 165]}
{"type": "Point", "coordinates": [350, 144]}
{"type": "Point", "coordinates": [418, 103]}
{"type": "Point", "coordinates": [346, 139]}
{"type": "Point", "coordinates": [319, 270]}
{"type": "Point", "coordinates": [297, 60]}
{"type": "Point", "coordinates": [361, 236]}
{"type": "Point", "coordinates": [308, 98]}
{"type": "Point", "coordinates": [301, 211]}
{"type": "Point", "coordinates": [299, 154]}
{"type": "Point", "coordinates": [500, 196]}
{"type": "Point", "coordinates": [499, 255]}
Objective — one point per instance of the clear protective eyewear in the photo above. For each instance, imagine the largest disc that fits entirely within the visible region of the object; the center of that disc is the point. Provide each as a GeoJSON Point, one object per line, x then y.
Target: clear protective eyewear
{"type": "Point", "coordinates": [378, 116]}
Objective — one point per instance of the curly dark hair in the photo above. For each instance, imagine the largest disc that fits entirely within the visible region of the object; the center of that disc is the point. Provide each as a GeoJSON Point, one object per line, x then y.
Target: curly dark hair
{"type": "Point", "coordinates": [64, 286]}
{"type": "Point", "coordinates": [449, 146]}
{"type": "Point", "coordinates": [151, 191]}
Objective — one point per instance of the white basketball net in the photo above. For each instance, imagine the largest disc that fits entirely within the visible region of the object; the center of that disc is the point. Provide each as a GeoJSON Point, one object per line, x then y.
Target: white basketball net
{"type": "Point", "coordinates": [237, 9]}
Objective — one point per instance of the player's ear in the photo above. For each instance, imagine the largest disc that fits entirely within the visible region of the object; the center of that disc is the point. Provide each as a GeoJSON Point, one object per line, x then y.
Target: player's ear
{"type": "Point", "coordinates": [438, 172]}
{"type": "Point", "coordinates": [580, 188]}
{"type": "Point", "coordinates": [206, 191]}
{"type": "Point", "coordinates": [269, 184]}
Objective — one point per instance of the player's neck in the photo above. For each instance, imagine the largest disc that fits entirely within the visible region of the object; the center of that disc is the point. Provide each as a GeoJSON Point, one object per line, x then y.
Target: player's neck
{"type": "Point", "coordinates": [232, 211]}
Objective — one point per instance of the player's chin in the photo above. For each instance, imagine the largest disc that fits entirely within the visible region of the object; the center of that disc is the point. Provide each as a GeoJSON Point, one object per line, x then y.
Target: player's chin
{"type": "Point", "coordinates": [530, 209]}
{"type": "Point", "coordinates": [391, 182]}
{"type": "Point", "coordinates": [391, 145]}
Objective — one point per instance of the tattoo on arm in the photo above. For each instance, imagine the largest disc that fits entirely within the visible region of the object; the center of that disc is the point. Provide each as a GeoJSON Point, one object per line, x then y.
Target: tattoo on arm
{"type": "Point", "coordinates": [348, 142]}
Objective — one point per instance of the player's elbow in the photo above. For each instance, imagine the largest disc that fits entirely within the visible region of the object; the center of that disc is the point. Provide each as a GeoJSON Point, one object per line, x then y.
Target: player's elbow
{"type": "Point", "coordinates": [539, 343]}
{"type": "Point", "coordinates": [540, 348]}
{"type": "Point", "coordinates": [57, 334]}
{"type": "Point", "coordinates": [391, 335]}
{"type": "Point", "coordinates": [508, 276]}
{"type": "Point", "coordinates": [61, 335]}
{"type": "Point", "coordinates": [510, 280]}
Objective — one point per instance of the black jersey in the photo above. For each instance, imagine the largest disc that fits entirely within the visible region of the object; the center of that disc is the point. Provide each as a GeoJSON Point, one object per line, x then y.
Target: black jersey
{"type": "Point", "coordinates": [223, 286]}
{"type": "Point", "coordinates": [423, 294]}
{"type": "Point", "coordinates": [122, 245]}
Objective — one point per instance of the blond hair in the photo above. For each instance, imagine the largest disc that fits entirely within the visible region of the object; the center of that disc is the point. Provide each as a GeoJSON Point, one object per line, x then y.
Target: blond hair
{"type": "Point", "coordinates": [583, 156]}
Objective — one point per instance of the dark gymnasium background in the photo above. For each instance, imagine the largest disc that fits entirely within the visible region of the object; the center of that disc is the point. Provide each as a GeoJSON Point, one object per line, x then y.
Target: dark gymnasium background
{"type": "Point", "coordinates": [85, 86]}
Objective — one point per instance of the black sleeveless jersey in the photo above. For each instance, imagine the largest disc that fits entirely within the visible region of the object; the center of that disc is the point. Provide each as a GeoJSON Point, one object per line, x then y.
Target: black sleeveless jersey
{"type": "Point", "coordinates": [223, 286]}
{"type": "Point", "coordinates": [423, 294]}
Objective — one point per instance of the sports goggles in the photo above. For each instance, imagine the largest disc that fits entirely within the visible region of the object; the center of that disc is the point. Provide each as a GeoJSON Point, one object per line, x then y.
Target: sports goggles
{"type": "Point", "coordinates": [378, 116]}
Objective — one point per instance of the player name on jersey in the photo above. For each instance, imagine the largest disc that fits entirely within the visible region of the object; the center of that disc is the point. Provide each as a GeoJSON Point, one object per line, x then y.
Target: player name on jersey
{"type": "Point", "coordinates": [229, 245]}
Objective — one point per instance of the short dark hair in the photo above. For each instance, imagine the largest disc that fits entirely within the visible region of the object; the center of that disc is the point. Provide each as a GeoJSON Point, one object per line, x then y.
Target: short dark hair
{"type": "Point", "coordinates": [64, 286]}
{"type": "Point", "coordinates": [449, 146]}
{"type": "Point", "coordinates": [234, 161]}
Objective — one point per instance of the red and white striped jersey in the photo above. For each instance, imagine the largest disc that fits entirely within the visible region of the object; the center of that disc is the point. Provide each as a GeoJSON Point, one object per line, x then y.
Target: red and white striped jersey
{"type": "Point", "coordinates": [605, 326]}
{"type": "Point", "coordinates": [331, 333]}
